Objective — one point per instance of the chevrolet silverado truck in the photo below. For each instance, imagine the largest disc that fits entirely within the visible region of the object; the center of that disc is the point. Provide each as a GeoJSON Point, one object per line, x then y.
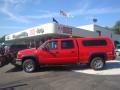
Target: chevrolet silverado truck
{"type": "Point", "coordinates": [91, 51]}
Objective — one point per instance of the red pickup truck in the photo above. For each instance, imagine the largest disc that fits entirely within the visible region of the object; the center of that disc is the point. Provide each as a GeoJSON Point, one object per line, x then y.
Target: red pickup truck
{"type": "Point", "coordinates": [92, 51]}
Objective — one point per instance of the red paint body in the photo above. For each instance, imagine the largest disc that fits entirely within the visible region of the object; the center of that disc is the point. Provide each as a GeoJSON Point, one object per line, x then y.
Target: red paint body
{"type": "Point", "coordinates": [78, 54]}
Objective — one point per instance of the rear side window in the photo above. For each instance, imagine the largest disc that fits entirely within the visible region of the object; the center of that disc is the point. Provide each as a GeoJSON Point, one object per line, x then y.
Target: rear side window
{"type": "Point", "coordinates": [94, 43]}
{"type": "Point", "coordinates": [67, 44]}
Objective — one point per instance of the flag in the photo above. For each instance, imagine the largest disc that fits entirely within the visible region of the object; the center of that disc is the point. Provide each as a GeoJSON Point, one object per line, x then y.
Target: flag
{"type": "Point", "coordinates": [63, 13]}
{"type": "Point", "coordinates": [95, 20]}
{"type": "Point", "coordinates": [54, 20]}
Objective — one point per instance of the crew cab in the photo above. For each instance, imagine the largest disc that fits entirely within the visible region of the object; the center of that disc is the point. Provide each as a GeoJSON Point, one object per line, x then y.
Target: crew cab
{"type": "Point", "coordinates": [91, 51]}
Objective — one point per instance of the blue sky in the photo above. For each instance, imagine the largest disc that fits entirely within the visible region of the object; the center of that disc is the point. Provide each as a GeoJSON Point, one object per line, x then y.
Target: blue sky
{"type": "Point", "coordinates": [17, 15]}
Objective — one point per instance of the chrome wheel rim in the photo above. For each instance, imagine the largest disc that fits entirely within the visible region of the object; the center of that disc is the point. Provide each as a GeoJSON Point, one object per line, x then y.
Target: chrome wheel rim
{"type": "Point", "coordinates": [98, 64]}
{"type": "Point", "coordinates": [29, 66]}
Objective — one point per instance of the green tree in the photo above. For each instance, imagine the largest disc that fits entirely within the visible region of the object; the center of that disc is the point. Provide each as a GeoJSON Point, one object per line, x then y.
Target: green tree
{"type": "Point", "coordinates": [116, 27]}
{"type": "Point", "coordinates": [2, 39]}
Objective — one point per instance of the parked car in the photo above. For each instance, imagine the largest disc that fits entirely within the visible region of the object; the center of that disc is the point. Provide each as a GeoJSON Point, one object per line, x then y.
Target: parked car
{"type": "Point", "coordinates": [92, 51]}
{"type": "Point", "coordinates": [4, 60]}
{"type": "Point", "coordinates": [9, 52]}
{"type": "Point", "coordinates": [13, 50]}
{"type": "Point", "coordinates": [117, 50]}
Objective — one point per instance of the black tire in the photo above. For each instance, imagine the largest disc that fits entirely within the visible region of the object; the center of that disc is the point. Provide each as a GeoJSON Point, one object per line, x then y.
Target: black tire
{"type": "Point", "coordinates": [29, 65]}
{"type": "Point", "coordinates": [97, 63]}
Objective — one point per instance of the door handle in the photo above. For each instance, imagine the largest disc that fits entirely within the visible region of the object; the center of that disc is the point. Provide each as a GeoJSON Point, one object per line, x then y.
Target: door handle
{"type": "Point", "coordinates": [72, 51]}
{"type": "Point", "coordinates": [56, 52]}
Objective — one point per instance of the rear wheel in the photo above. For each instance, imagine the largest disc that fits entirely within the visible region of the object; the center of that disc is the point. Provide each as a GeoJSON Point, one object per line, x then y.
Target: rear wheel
{"type": "Point", "coordinates": [97, 63]}
{"type": "Point", "coordinates": [29, 65]}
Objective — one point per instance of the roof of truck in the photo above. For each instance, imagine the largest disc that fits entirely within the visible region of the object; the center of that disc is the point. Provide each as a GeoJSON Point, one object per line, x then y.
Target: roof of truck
{"type": "Point", "coordinates": [86, 38]}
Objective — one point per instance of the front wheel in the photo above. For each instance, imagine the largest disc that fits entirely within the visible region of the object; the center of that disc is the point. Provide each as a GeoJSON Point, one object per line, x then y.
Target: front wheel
{"type": "Point", "coordinates": [29, 65]}
{"type": "Point", "coordinates": [97, 63]}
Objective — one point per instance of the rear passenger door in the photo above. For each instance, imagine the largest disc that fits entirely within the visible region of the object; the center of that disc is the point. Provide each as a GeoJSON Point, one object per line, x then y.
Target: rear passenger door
{"type": "Point", "coordinates": [68, 52]}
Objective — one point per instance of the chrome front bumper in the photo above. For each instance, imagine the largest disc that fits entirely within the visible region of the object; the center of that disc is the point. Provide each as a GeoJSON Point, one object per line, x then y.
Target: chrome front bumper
{"type": "Point", "coordinates": [18, 62]}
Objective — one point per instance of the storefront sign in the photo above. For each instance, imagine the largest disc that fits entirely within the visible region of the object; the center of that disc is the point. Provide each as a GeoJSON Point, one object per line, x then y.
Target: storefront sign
{"type": "Point", "coordinates": [21, 35]}
{"type": "Point", "coordinates": [32, 32]}
{"type": "Point", "coordinates": [67, 30]}
{"type": "Point", "coordinates": [40, 31]}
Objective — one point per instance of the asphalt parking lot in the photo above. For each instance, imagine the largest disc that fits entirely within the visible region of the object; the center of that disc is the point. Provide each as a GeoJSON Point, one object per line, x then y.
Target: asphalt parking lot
{"type": "Point", "coordinates": [61, 78]}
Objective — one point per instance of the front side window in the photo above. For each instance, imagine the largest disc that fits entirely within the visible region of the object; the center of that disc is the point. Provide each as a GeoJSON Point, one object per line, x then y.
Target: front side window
{"type": "Point", "coordinates": [52, 45]}
{"type": "Point", "coordinates": [67, 44]}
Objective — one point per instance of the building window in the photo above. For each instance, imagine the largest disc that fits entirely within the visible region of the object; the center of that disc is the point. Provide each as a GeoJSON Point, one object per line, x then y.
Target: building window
{"type": "Point", "coordinates": [99, 32]}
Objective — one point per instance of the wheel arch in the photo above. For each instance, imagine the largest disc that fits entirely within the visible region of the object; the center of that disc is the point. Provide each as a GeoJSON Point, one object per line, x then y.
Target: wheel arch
{"type": "Point", "coordinates": [101, 55]}
{"type": "Point", "coordinates": [33, 57]}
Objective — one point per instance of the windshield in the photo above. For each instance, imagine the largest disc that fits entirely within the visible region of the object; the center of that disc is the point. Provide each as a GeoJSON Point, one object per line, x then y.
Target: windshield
{"type": "Point", "coordinates": [42, 46]}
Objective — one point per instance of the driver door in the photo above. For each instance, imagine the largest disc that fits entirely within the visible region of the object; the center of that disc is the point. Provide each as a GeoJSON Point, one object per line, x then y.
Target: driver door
{"type": "Point", "coordinates": [50, 53]}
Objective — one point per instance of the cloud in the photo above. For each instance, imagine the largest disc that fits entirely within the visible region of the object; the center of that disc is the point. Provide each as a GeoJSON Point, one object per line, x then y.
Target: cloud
{"type": "Point", "coordinates": [44, 11]}
{"type": "Point", "coordinates": [85, 7]}
{"type": "Point", "coordinates": [8, 7]}
{"type": "Point", "coordinates": [14, 17]}
{"type": "Point", "coordinates": [106, 10]}
{"type": "Point", "coordinates": [12, 8]}
{"type": "Point", "coordinates": [43, 16]}
{"type": "Point", "coordinates": [94, 11]}
{"type": "Point", "coordinates": [80, 11]}
{"type": "Point", "coordinates": [11, 27]}
{"type": "Point", "coordinates": [83, 10]}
